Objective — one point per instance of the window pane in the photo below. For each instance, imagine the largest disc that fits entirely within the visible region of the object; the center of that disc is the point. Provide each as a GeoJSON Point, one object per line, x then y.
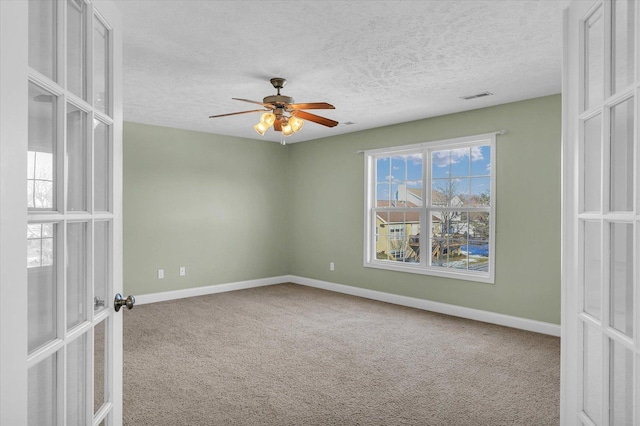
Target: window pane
{"type": "Point", "coordinates": [440, 164]}
{"type": "Point", "coordinates": [99, 357]}
{"type": "Point", "coordinates": [592, 268]}
{"type": "Point", "coordinates": [382, 235]}
{"type": "Point", "coordinates": [383, 195]}
{"type": "Point", "coordinates": [450, 192]}
{"type": "Point", "coordinates": [41, 149]}
{"type": "Point", "coordinates": [623, 45]}
{"type": "Point", "coordinates": [479, 226]}
{"type": "Point", "coordinates": [77, 159]}
{"type": "Point", "coordinates": [592, 374]}
{"type": "Point", "coordinates": [383, 169]}
{"type": "Point", "coordinates": [76, 62]}
{"type": "Point", "coordinates": [41, 389]}
{"type": "Point", "coordinates": [100, 65]}
{"type": "Point", "coordinates": [592, 163]}
{"type": "Point", "coordinates": [594, 59]}
{"type": "Point", "coordinates": [445, 228]}
{"type": "Point", "coordinates": [399, 168]}
{"type": "Point", "coordinates": [414, 167]}
{"type": "Point", "coordinates": [621, 376]}
{"type": "Point", "coordinates": [76, 273]}
{"type": "Point", "coordinates": [41, 284]}
{"type": "Point", "coordinates": [460, 162]}
{"type": "Point", "coordinates": [478, 252]}
{"type": "Point", "coordinates": [621, 270]}
{"type": "Point", "coordinates": [77, 381]}
{"type": "Point", "coordinates": [622, 156]}
{"type": "Point", "coordinates": [398, 236]}
{"type": "Point", "coordinates": [42, 37]}
{"type": "Point", "coordinates": [481, 160]}
{"type": "Point", "coordinates": [408, 195]}
{"type": "Point", "coordinates": [100, 265]}
{"type": "Point", "coordinates": [102, 171]}
{"type": "Point", "coordinates": [441, 192]}
{"type": "Point", "coordinates": [460, 240]}
{"type": "Point", "coordinates": [480, 192]}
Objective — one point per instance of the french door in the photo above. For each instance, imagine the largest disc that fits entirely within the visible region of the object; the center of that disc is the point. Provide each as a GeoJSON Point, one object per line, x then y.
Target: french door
{"type": "Point", "coordinates": [61, 249]}
{"type": "Point", "coordinates": [601, 222]}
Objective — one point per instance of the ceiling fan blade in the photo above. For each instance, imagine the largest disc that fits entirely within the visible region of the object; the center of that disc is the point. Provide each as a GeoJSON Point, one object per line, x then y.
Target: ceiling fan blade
{"type": "Point", "coordinates": [315, 118]}
{"type": "Point", "coordinates": [312, 105]}
{"type": "Point", "coordinates": [236, 113]}
{"type": "Point", "coordinates": [255, 102]}
{"type": "Point", "coordinates": [277, 126]}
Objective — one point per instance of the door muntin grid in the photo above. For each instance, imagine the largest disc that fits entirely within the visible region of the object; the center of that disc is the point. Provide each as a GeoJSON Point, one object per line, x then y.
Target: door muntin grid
{"type": "Point", "coordinates": [608, 215]}
{"type": "Point", "coordinates": [70, 230]}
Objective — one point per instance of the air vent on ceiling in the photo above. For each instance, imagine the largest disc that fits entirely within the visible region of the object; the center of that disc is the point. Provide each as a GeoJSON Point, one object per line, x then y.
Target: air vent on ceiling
{"type": "Point", "coordinates": [478, 95]}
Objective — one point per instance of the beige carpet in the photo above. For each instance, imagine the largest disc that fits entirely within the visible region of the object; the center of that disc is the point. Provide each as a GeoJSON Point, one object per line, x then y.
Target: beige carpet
{"type": "Point", "coordinates": [292, 355]}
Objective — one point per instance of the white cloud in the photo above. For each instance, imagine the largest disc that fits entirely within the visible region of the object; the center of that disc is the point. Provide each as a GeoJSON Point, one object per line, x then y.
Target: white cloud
{"type": "Point", "coordinates": [454, 156]}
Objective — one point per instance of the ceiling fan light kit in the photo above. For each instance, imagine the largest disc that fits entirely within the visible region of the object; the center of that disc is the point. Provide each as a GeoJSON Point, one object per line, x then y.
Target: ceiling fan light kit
{"type": "Point", "coordinates": [283, 113]}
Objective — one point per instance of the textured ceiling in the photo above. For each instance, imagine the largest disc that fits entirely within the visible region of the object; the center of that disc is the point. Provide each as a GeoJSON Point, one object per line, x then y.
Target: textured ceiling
{"type": "Point", "coordinates": [378, 62]}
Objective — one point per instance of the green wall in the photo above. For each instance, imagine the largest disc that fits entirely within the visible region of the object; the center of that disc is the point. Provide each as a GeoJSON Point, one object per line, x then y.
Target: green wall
{"type": "Point", "coordinates": [327, 199]}
{"type": "Point", "coordinates": [233, 209]}
{"type": "Point", "coordinates": [215, 204]}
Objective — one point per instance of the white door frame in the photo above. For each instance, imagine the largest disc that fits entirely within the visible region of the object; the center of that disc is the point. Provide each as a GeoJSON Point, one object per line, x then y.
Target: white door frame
{"type": "Point", "coordinates": [13, 210]}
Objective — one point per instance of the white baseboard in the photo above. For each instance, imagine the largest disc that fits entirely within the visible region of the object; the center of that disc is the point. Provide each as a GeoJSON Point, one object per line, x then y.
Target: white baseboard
{"type": "Point", "coordinates": [428, 305]}
{"type": "Point", "coordinates": [210, 289]}
{"type": "Point", "coordinates": [412, 302]}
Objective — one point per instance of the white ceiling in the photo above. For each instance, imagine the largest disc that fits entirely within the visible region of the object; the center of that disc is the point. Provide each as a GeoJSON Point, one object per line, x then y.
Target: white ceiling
{"type": "Point", "coordinates": [378, 62]}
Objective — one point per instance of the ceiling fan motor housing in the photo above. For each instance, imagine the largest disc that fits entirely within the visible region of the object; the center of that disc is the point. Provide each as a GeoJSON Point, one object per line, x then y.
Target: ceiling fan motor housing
{"type": "Point", "coordinates": [278, 100]}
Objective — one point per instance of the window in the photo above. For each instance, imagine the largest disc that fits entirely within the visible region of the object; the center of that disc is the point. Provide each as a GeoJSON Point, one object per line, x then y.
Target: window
{"type": "Point", "coordinates": [436, 198]}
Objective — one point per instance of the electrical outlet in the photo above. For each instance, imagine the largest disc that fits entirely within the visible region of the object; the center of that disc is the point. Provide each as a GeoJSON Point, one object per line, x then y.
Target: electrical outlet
{"type": "Point", "coordinates": [160, 274]}
{"type": "Point", "coordinates": [332, 266]}
{"type": "Point", "coordinates": [183, 271]}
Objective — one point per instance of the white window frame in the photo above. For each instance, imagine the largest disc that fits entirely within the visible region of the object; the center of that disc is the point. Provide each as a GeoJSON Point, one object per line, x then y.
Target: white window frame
{"type": "Point", "coordinates": [424, 266]}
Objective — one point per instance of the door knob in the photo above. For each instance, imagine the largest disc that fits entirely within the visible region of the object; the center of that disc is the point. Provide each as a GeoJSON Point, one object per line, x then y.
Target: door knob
{"type": "Point", "coordinates": [119, 302]}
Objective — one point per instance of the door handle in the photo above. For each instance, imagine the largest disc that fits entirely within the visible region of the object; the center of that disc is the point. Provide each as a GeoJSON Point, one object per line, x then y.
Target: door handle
{"type": "Point", "coordinates": [119, 301]}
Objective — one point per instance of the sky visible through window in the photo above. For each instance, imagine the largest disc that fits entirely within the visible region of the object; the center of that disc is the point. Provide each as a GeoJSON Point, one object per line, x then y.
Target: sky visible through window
{"type": "Point", "coordinates": [464, 172]}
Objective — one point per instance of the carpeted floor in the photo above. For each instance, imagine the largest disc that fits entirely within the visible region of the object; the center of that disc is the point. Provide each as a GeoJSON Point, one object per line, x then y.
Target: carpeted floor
{"type": "Point", "coordinates": [293, 355]}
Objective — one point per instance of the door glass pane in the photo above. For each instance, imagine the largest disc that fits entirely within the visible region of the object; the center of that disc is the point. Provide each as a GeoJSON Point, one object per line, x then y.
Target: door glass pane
{"type": "Point", "coordinates": [623, 43]}
{"type": "Point", "coordinates": [622, 156]}
{"type": "Point", "coordinates": [621, 269]}
{"type": "Point", "coordinates": [41, 390]}
{"type": "Point", "coordinates": [42, 37]}
{"type": "Point", "coordinates": [102, 174]}
{"type": "Point", "coordinates": [76, 159]}
{"type": "Point", "coordinates": [99, 357]}
{"type": "Point", "coordinates": [592, 269]}
{"type": "Point", "coordinates": [594, 59]}
{"type": "Point", "coordinates": [77, 381]}
{"type": "Point", "coordinates": [101, 265]}
{"type": "Point", "coordinates": [592, 374]}
{"type": "Point", "coordinates": [100, 65]}
{"type": "Point", "coordinates": [621, 387]}
{"type": "Point", "coordinates": [76, 273]}
{"type": "Point", "coordinates": [41, 168]}
{"type": "Point", "coordinates": [41, 284]}
{"type": "Point", "coordinates": [76, 45]}
{"type": "Point", "coordinates": [592, 163]}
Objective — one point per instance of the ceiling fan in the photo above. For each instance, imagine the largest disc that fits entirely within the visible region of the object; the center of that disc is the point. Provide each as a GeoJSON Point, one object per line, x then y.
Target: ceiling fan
{"type": "Point", "coordinates": [283, 113]}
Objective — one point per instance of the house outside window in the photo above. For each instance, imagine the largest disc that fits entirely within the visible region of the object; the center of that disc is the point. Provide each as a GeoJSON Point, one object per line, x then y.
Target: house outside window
{"type": "Point", "coordinates": [436, 198]}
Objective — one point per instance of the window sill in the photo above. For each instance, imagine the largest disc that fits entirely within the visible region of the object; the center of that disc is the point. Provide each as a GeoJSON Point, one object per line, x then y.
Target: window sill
{"type": "Point", "coordinates": [434, 271]}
